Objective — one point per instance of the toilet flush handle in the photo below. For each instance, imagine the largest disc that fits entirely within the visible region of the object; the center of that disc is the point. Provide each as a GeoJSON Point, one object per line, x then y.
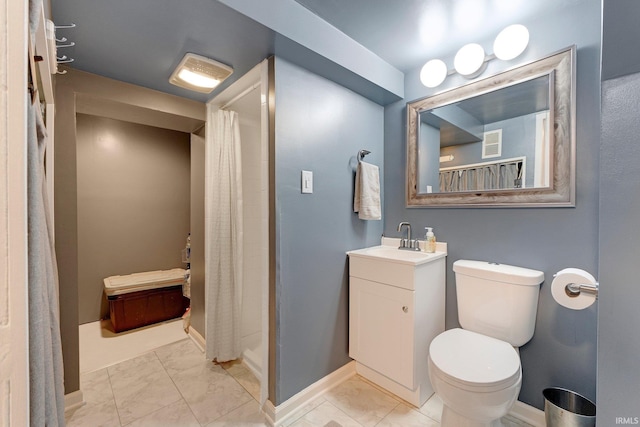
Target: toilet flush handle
{"type": "Point", "coordinates": [405, 309]}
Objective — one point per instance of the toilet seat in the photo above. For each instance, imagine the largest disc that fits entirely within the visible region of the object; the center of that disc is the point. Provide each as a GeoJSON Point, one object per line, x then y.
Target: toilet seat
{"type": "Point", "coordinates": [474, 362]}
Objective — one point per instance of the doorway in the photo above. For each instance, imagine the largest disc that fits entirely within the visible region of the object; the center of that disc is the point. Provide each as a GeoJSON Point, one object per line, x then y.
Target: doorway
{"type": "Point", "coordinates": [247, 97]}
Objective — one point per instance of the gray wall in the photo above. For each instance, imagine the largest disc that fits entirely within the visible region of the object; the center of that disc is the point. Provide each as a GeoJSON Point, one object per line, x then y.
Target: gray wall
{"type": "Point", "coordinates": [619, 317]}
{"type": "Point", "coordinates": [620, 38]}
{"type": "Point", "coordinates": [133, 204]}
{"type": "Point", "coordinates": [619, 339]}
{"type": "Point", "coordinates": [429, 158]}
{"type": "Point", "coordinates": [66, 227]}
{"type": "Point", "coordinates": [563, 349]}
{"type": "Point", "coordinates": [319, 126]}
{"type": "Point", "coordinates": [197, 233]}
{"type": "Point", "coordinates": [518, 140]}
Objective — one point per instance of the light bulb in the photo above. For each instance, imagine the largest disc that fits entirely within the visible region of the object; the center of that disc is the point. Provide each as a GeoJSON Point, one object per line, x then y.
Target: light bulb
{"type": "Point", "coordinates": [433, 73]}
{"type": "Point", "coordinates": [197, 79]}
{"type": "Point", "coordinates": [469, 59]}
{"type": "Point", "coordinates": [511, 42]}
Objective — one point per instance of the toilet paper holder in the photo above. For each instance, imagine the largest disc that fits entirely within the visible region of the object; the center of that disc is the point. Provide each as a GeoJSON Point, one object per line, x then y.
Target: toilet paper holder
{"type": "Point", "coordinates": [575, 289]}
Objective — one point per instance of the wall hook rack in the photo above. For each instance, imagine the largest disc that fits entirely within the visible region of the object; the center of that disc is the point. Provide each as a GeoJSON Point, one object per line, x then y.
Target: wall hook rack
{"type": "Point", "coordinates": [56, 43]}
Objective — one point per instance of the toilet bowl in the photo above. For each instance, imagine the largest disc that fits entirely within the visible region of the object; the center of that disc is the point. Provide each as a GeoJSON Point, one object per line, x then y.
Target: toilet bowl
{"type": "Point", "coordinates": [477, 377]}
{"type": "Point", "coordinates": [476, 370]}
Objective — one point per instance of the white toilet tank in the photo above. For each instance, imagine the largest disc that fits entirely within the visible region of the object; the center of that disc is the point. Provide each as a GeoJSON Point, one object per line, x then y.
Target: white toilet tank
{"type": "Point", "coordinates": [497, 300]}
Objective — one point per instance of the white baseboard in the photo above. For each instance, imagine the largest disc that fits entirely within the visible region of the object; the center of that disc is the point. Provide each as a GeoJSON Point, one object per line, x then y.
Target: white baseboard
{"type": "Point", "coordinates": [277, 415]}
{"type": "Point", "coordinates": [528, 414]}
{"type": "Point", "coordinates": [416, 397]}
{"type": "Point", "coordinates": [197, 338]}
{"type": "Point", "coordinates": [270, 412]}
{"type": "Point", "coordinates": [73, 400]}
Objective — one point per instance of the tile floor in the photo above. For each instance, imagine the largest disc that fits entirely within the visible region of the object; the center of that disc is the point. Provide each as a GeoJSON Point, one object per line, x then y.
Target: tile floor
{"type": "Point", "coordinates": [175, 386]}
{"type": "Point", "coordinates": [100, 346]}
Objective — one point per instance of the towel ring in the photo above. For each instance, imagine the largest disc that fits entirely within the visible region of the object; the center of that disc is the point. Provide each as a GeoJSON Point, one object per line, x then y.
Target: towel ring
{"type": "Point", "coordinates": [361, 154]}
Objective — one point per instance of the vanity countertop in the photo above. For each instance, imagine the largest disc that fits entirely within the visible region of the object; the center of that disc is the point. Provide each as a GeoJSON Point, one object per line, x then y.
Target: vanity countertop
{"type": "Point", "coordinates": [388, 251]}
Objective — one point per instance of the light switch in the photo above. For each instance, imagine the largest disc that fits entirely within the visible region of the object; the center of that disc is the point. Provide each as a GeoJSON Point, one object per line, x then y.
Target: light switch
{"type": "Point", "coordinates": [307, 182]}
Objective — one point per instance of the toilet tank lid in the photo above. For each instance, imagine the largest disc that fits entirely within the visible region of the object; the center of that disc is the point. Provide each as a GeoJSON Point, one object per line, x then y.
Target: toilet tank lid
{"type": "Point", "coordinates": [499, 272]}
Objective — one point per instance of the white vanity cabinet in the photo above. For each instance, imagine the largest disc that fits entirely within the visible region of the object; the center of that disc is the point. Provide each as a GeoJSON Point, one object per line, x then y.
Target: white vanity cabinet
{"type": "Point", "coordinates": [396, 308]}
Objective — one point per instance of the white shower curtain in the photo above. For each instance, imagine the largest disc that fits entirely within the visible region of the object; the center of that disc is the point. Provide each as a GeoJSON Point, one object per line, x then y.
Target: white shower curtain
{"type": "Point", "coordinates": [223, 228]}
{"type": "Point", "coordinates": [46, 369]}
{"type": "Point", "coordinates": [46, 372]}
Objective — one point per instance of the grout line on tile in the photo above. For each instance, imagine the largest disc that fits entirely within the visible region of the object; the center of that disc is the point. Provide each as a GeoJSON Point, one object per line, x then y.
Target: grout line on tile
{"type": "Point", "coordinates": [176, 385]}
{"type": "Point", "coordinates": [313, 404]}
{"type": "Point", "coordinates": [113, 395]}
{"type": "Point", "coordinates": [349, 416]}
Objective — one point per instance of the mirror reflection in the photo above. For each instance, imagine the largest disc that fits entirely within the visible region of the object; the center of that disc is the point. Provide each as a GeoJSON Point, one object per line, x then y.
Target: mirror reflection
{"type": "Point", "coordinates": [504, 141]}
{"type": "Point", "coordinates": [498, 140]}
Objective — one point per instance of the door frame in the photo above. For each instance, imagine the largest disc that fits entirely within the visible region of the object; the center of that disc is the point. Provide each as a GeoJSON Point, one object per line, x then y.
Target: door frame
{"type": "Point", "coordinates": [14, 333]}
{"type": "Point", "coordinates": [259, 76]}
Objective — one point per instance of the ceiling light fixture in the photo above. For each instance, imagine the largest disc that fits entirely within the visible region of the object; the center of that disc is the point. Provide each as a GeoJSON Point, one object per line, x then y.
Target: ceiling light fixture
{"type": "Point", "coordinates": [469, 60]}
{"type": "Point", "coordinates": [199, 73]}
{"type": "Point", "coordinates": [197, 79]}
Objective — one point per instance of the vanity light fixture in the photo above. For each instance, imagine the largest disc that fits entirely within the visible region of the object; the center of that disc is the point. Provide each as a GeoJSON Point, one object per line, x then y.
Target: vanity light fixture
{"type": "Point", "coordinates": [199, 73]}
{"type": "Point", "coordinates": [433, 73]}
{"type": "Point", "coordinates": [469, 60]}
{"type": "Point", "coordinates": [511, 42]}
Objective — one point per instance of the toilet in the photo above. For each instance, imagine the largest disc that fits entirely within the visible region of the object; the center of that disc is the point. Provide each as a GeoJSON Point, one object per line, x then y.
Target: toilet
{"type": "Point", "coordinates": [476, 370]}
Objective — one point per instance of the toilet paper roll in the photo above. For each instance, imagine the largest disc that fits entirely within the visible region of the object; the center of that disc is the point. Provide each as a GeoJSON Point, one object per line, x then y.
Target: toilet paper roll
{"type": "Point", "coordinates": [572, 275]}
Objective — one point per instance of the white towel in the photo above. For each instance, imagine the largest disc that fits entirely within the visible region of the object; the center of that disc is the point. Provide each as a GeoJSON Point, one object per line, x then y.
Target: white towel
{"type": "Point", "coordinates": [366, 200]}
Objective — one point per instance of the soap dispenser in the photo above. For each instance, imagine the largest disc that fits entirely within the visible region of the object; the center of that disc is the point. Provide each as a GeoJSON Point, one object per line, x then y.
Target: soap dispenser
{"type": "Point", "coordinates": [430, 240]}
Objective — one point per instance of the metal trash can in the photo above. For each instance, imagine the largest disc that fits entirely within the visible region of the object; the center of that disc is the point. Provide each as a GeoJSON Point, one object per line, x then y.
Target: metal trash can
{"type": "Point", "coordinates": [564, 408]}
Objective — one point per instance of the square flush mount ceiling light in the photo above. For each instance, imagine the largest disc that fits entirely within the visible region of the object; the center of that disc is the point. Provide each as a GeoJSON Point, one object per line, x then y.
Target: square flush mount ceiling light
{"type": "Point", "coordinates": [200, 74]}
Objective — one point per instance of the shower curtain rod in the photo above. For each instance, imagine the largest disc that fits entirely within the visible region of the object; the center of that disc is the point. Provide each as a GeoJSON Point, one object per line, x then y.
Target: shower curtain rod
{"type": "Point", "coordinates": [240, 95]}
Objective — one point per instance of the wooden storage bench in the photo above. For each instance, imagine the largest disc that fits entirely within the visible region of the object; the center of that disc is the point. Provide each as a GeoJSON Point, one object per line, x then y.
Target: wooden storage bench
{"type": "Point", "coordinates": [142, 299]}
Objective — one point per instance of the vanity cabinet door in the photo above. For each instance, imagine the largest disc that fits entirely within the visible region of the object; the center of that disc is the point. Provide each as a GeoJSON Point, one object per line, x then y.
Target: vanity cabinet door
{"type": "Point", "coordinates": [381, 331]}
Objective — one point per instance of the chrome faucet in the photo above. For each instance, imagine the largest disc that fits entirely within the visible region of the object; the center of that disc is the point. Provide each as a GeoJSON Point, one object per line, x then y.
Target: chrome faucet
{"type": "Point", "coordinates": [402, 224]}
{"type": "Point", "coordinates": [407, 243]}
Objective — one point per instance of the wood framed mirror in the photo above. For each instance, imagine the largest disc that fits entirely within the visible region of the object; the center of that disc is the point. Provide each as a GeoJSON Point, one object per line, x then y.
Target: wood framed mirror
{"type": "Point", "coordinates": [504, 141]}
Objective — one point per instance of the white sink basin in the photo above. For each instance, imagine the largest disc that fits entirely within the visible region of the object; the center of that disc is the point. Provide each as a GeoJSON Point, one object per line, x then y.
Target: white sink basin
{"type": "Point", "coordinates": [393, 254]}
